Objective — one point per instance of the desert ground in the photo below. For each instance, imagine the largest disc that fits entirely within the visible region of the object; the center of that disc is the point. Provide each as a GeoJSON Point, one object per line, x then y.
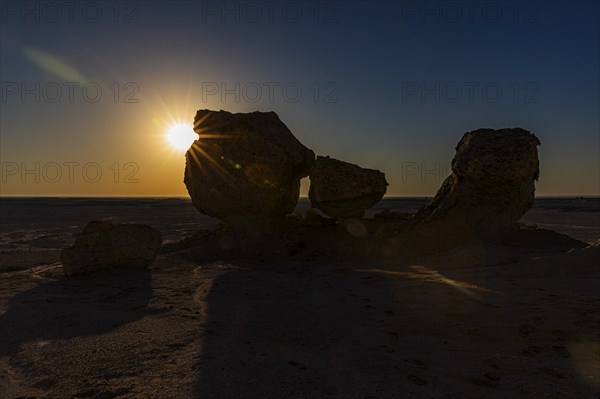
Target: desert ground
{"type": "Point", "coordinates": [473, 321]}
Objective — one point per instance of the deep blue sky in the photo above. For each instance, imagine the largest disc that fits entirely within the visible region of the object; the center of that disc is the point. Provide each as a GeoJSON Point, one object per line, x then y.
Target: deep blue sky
{"type": "Point", "coordinates": [372, 58]}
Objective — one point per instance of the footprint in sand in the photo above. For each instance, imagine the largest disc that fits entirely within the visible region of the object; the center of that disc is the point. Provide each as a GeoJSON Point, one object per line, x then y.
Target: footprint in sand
{"type": "Point", "coordinates": [489, 380]}
{"type": "Point", "coordinates": [538, 321]}
{"type": "Point", "coordinates": [495, 377]}
{"type": "Point", "coordinates": [420, 364]}
{"type": "Point", "coordinates": [491, 363]}
{"type": "Point", "coordinates": [532, 350]}
{"type": "Point", "coordinates": [387, 348]}
{"type": "Point", "coordinates": [299, 366]}
{"type": "Point", "coordinates": [525, 330]}
{"type": "Point", "coordinates": [417, 380]}
{"type": "Point", "coordinates": [45, 384]}
{"type": "Point", "coordinates": [553, 372]}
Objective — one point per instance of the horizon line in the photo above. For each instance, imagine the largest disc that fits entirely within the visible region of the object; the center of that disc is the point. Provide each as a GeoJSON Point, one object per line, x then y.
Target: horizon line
{"type": "Point", "coordinates": [301, 196]}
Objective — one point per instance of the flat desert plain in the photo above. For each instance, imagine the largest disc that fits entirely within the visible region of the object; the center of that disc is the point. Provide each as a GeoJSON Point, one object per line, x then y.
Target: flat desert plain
{"type": "Point", "coordinates": [474, 321]}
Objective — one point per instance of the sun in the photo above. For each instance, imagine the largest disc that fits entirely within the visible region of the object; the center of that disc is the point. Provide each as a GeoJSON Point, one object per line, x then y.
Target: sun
{"type": "Point", "coordinates": [181, 136]}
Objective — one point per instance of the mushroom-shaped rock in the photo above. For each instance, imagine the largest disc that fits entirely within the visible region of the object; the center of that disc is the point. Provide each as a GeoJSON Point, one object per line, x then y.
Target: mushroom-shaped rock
{"type": "Point", "coordinates": [245, 168]}
{"type": "Point", "coordinates": [103, 246]}
{"type": "Point", "coordinates": [491, 185]}
{"type": "Point", "coordinates": [343, 190]}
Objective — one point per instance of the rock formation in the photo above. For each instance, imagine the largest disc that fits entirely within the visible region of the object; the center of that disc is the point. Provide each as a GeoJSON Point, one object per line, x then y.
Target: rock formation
{"type": "Point", "coordinates": [491, 185]}
{"type": "Point", "coordinates": [245, 169]}
{"type": "Point", "coordinates": [103, 245]}
{"type": "Point", "coordinates": [343, 190]}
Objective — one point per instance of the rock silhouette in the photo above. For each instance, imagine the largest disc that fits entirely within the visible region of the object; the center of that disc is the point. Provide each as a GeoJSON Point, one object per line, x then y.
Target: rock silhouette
{"type": "Point", "coordinates": [103, 246]}
{"type": "Point", "coordinates": [343, 190]}
{"type": "Point", "coordinates": [491, 185]}
{"type": "Point", "coordinates": [245, 168]}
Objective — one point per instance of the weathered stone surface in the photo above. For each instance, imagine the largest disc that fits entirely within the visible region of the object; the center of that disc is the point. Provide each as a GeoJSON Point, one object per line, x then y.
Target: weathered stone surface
{"type": "Point", "coordinates": [343, 190]}
{"type": "Point", "coordinates": [245, 169]}
{"type": "Point", "coordinates": [491, 185]}
{"type": "Point", "coordinates": [103, 245]}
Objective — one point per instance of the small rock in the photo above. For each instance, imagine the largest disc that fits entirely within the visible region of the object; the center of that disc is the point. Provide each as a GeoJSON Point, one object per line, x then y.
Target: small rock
{"type": "Point", "coordinates": [103, 245]}
{"type": "Point", "coordinates": [343, 190]}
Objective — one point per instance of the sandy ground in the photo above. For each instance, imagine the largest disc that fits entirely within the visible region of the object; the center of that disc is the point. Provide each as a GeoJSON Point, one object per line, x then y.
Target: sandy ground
{"type": "Point", "coordinates": [477, 321]}
{"type": "Point", "coordinates": [34, 230]}
{"type": "Point", "coordinates": [474, 322]}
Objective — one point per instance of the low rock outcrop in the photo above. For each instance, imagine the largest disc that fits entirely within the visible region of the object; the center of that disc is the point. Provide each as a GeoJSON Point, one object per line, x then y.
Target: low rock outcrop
{"type": "Point", "coordinates": [491, 185]}
{"type": "Point", "coordinates": [103, 246]}
{"type": "Point", "coordinates": [343, 190]}
{"type": "Point", "coordinates": [245, 168]}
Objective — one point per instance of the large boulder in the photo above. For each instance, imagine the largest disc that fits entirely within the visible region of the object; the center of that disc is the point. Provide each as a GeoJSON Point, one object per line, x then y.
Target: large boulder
{"type": "Point", "coordinates": [491, 185]}
{"type": "Point", "coordinates": [343, 190]}
{"type": "Point", "coordinates": [245, 168]}
{"type": "Point", "coordinates": [103, 246]}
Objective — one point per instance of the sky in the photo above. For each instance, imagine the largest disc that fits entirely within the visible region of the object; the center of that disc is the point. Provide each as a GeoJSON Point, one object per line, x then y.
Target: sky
{"type": "Point", "coordinates": [89, 90]}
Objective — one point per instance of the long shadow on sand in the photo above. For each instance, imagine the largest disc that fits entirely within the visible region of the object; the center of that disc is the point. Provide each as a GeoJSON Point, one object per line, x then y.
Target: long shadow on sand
{"type": "Point", "coordinates": [291, 332]}
{"type": "Point", "coordinates": [72, 307]}
{"type": "Point", "coordinates": [321, 333]}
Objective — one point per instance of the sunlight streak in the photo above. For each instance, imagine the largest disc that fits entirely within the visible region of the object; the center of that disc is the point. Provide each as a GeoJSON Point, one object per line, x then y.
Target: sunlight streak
{"type": "Point", "coordinates": [197, 149]}
{"type": "Point", "coordinates": [426, 274]}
